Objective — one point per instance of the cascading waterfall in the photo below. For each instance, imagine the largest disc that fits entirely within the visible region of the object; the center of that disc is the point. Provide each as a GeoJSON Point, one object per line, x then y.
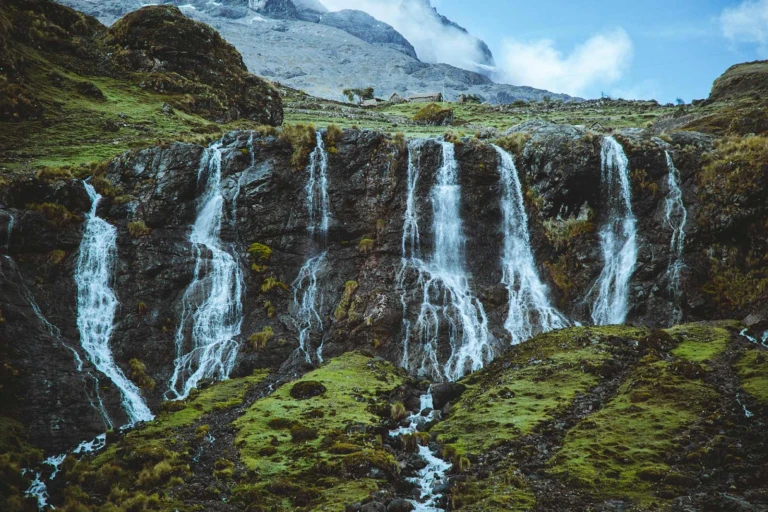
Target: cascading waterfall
{"type": "Point", "coordinates": [618, 238]}
{"type": "Point", "coordinates": [676, 216]}
{"type": "Point", "coordinates": [306, 294]}
{"type": "Point", "coordinates": [530, 311]}
{"type": "Point", "coordinates": [433, 473]}
{"type": "Point", "coordinates": [212, 313]}
{"type": "Point", "coordinates": [445, 292]}
{"type": "Point", "coordinates": [97, 303]}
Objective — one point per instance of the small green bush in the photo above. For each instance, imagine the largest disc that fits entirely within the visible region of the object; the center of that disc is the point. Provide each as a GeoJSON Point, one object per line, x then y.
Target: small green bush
{"type": "Point", "coordinates": [138, 229]}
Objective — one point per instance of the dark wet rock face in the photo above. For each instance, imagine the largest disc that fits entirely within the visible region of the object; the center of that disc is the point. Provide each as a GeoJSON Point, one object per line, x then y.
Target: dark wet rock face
{"type": "Point", "coordinates": [359, 302]}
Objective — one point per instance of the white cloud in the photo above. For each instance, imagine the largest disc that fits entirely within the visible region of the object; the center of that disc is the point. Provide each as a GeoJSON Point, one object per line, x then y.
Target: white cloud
{"type": "Point", "coordinates": [746, 23]}
{"type": "Point", "coordinates": [415, 19]}
{"type": "Point", "coordinates": [598, 62]}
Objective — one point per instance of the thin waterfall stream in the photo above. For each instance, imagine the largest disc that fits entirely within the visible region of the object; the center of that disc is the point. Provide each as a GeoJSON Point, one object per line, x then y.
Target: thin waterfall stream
{"type": "Point", "coordinates": [307, 297]}
{"type": "Point", "coordinates": [618, 237]}
{"type": "Point", "coordinates": [676, 216]}
{"type": "Point", "coordinates": [97, 304]}
{"type": "Point", "coordinates": [530, 311]}
{"type": "Point", "coordinates": [446, 296]}
{"type": "Point", "coordinates": [433, 474]}
{"type": "Point", "coordinates": [212, 314]}
{"type": "Point", "coordinates": [96, 307]}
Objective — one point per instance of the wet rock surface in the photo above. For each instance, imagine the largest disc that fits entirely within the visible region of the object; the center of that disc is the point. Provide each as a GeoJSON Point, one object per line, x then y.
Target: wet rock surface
{"type": "Point", "coordinates": [265, 204]}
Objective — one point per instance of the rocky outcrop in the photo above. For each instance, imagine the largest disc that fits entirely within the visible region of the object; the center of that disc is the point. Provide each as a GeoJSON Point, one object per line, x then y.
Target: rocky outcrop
{"type": "Point", "coordinates": [742, 80]}
{"type": "Point", "coordinates": [369, 29]}
{"type": "Point", "coordinates": [178, 52]}
{"type": "Point", "coordinates": [361, 306]}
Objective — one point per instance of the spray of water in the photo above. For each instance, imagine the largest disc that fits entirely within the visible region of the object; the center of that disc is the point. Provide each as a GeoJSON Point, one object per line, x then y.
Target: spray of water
{"type": "Point", "coordinates": [618, 238]}
{"type": "Point", "coordinates": [212, 313]}
{"type": "Point", "coordinates": [530, 311]}
{"type": "Point", "coordinates": [307, 297]}
{"type": "Point", "coordinates": [676, 216]}
{"type": "Point", "coordinates": [446, 297]}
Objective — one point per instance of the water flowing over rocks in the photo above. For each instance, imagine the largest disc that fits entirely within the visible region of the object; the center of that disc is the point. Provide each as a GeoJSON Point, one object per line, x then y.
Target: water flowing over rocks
{"type": "Point", "coordinates": [362, 285]}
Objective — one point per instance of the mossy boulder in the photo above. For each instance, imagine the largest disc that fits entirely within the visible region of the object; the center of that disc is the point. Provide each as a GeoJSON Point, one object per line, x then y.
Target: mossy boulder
{"type": "Point", "coordinates": [162, 41]}
{"type": "Point", "coordinates": [434, 115]}
{"type": "Point", "coordinates": [307, 389]}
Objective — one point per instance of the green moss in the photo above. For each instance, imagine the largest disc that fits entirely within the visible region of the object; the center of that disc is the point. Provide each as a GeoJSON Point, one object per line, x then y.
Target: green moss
{"type": "Point", "coordinates": [434, 114]}
{"type": "Point", "coordinates": [622, 450]}
{"type": "Point", "coordinates": [260, 251]}
{"type": "Point", "coordinates": [504, 490]}
{"type": "Point", "coordinates": [344, 304]}
{"type": "Point", "coordinates": [366, 245]}
{"type": "Point", "coordinates": [699, 343]}
{"type": "Point", "coordinates": [353, 384]}
{"type": "Point", "coordinates": [753, 370]}
{"type": "Point", "coordinates": [271, 283]}
{"type": "Point", "coordinates": [550, 371]}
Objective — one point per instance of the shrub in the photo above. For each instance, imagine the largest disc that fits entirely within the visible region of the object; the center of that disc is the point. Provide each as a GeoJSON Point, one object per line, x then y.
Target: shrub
{"type": "Point", "coordinates": [153, 476]}
{"type": "Point", "coordinates": [332, 135]}
{"type": "Point", "coordinates": [302, 139]}
{"type": "Point", "coordinates": [138, 374]}
{"type": "Point", "coordinates": [260, 251]}
{"type": "Point", "coordinates": [398, 411]}
{"type": "Point", "coordinates": [514, 142]}
{"type": "Point", "coordinates": [138, 229]}
{"type": "Point", "coordinates": [434, 115]}
{"type": "Point", "coordinates": [56, 214]}
{"type": "Point", "coordinates": [259, 339]}
{"type": "Point", "coordinates": [560, 232]}
{"type": "Point", "coordinates": [49, 174]}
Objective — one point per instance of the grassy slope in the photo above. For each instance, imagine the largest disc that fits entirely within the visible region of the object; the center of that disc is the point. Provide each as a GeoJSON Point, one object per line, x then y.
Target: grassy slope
{"type": "Point", "coordinates": [629, 448]}
{"type": "Point", "coordinates": [74, 133]}
{"type": "Point", "coordinates": [224, 444]}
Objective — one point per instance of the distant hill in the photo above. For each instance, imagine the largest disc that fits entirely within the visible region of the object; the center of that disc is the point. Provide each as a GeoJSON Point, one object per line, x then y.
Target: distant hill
{"type": "Point", "coordinates": [325, 53]}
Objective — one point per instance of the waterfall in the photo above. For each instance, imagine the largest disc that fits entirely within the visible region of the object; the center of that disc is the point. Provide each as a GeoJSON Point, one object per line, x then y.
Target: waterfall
{"type": "Point", "coordinates": [446, 296]}
{"type": "Point", "coordinates": [432, 475]}
{"type": "Point", "coordinates": [97, 303]}
{"type": "Point", "coordinates": [530, 312]}
{"type": "Point", "coordinates": [618, 237]}
{"type": "Point", "coordinates": [212, 313]}
{"type": "Point", "coordinates": [676, 216]}
{"type": "Point", "coordinates": [8, 232]}
{"type": "Point", "coordinates": [306, 293]}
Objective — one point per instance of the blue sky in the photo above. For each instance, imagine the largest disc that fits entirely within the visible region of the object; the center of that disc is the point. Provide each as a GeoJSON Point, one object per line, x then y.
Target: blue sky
{"type": "Point", "coordinates": [660, 49]}
{"type": "Point", "coordinates": [678, 46]}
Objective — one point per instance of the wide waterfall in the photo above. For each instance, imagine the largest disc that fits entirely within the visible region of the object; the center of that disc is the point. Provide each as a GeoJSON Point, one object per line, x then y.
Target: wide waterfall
{"type": "Point", "coordinates": [676, 216]}
{"type": "Point", "coordinates": [97, 303]}
{"type": "Point", "coordinates": [446, 297]}
{"type": "Point", "coordinates": [618, 237]}
{"type": "Point", "coordinates": [530, 311]}
{"type": "Point", "coordinates": [212, 313]}
{"type": "Point", "coordinates": [306, 294]}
